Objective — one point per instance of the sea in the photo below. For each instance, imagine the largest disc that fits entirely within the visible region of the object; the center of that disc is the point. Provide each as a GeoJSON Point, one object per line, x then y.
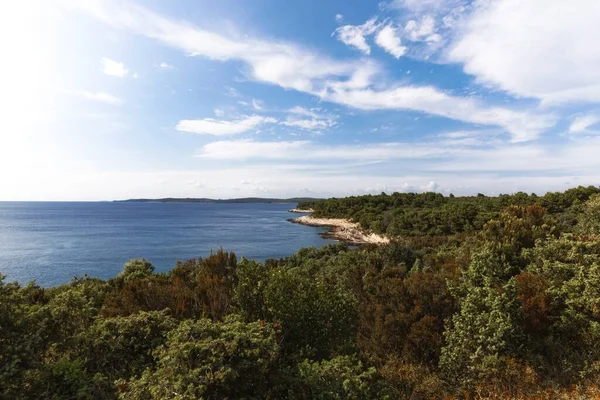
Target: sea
{"type": "Point", "coordinates": [51, 242]}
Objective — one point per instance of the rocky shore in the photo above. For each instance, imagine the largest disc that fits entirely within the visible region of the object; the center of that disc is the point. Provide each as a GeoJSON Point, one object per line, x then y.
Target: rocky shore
{"type": "Point", "coordinates": [342, 229]}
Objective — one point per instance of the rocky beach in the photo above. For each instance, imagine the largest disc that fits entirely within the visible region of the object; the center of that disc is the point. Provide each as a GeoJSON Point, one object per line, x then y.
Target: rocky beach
{"type": "Point", "coordinates": [342, 229]}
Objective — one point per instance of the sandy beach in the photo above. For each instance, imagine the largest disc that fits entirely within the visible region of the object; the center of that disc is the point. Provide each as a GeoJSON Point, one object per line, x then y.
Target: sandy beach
{"type": "Point", "coordinates": [342, 229]}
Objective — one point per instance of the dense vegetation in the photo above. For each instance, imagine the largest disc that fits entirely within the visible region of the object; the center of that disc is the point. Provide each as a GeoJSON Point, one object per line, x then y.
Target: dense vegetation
{"type": "Point", "coordinates": [477, 296]}
{"type": "Point", "coordinates": [431, 214]}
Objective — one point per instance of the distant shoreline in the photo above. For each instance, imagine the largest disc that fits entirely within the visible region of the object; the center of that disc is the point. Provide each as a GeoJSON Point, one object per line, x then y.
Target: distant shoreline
{"type": "Point", "coordinates": [207, 200]}
{"type": "Point", "coordinates": [342, 229]}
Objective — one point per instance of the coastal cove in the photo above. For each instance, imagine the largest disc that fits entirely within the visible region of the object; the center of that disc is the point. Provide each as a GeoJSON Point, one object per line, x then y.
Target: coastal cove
{"type": "Point", "coordinates": [51, 242]}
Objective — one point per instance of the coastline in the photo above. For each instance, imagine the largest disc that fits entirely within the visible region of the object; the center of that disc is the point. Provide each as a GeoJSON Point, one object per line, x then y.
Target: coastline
{"type": "Point", "coordinates": [342, 229]}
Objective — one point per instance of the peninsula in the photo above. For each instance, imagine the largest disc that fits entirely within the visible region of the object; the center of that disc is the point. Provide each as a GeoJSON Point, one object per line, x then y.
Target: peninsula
{"type": "Point", "coordinates": [342, 229]}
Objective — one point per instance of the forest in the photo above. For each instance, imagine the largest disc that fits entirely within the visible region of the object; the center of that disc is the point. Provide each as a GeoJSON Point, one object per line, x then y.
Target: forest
{"type": "Point", "coordinates": [475, 298]}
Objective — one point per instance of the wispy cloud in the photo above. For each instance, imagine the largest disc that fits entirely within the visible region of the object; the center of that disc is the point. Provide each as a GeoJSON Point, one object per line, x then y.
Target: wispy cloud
{"type": "Point", "coordinates": [355, 35]}
{"type": "Point", "coordinates": [582, 123]}
{"type": "Point", "coordinates": [496, 40]}
{"type": "Point", "coordinates": [423, 30]}
{"type": "Point", "coordinates": [102, 97]}
{"type": "Point", "coordinates": [308, 150]}
{"type": "Point", "coordinates": [389, 40]}
{"type": "Point", "coordinates": [440, 157]}
{"type": "Point", "coordinates": [210, 126]}
{"type": "Point", "coordinates": [232, 92]}
{"type": "Point", "coordinates": [316, 120]}
{"type": "Point", "coordinates": [164, 66]}
{"type": "Point", "coordinates": [258, 105]}
{"type": "Point", "coordinates": [113, 68]}
{"type": "Point", "coordinates": [295, 67]}
{"type": "Point", "coordinates": [521, 125]}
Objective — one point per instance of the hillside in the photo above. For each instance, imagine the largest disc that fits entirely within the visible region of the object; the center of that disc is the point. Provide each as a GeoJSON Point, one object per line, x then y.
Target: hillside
{"type": "Point", "coordinates": [475, 297]}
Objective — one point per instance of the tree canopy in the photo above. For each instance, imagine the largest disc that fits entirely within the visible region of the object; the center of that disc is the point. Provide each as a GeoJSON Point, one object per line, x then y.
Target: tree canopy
{"type": "Point", "coordinates": [495, 297]}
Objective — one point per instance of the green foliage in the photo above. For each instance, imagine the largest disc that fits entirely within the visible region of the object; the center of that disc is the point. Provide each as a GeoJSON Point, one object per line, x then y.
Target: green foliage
{"type": "Point", "coordinates": [202, 359]}
{"type": "Point", "coordinates": [486, 329]}
{"type": "Point", "coordinates": [135, 269]}
{"type": "Point", "coordinates": [66, 379]}
{"type": "Point", "coordinates": [342, 377]}
{"type": "Point", "coordinates": [314, 318]}
{"type": "Point", "coordinates": [567, 315]}
{"type": "Point", "coordinates": [589, 219]}
{"type": "Point", "coordinates": [24, 333]}
{"type": "Point", "coordinates": [412, 214]}
{"type": "Point", "coordinates": [495, 297]}
{"type": "Point", "coordinates": [249, 296]}
{"type": "Point", "coordinates": [122, 347]}
{"type": "Point", "coordinates": [194, 288]}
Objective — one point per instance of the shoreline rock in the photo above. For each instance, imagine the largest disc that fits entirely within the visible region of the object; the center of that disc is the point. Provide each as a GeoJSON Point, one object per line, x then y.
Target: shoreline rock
{"type": "Point", "coordinates": [342, 229]}
{"type": "Point", "coordinates": [301, 210]}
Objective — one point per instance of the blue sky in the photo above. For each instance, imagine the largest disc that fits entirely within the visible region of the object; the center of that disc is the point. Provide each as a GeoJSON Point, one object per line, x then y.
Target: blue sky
{"type": "Point", "coordinates": [117, 99]}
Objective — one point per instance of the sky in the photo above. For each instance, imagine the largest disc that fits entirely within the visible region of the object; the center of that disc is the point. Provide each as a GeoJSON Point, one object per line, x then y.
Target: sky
{"type": "Point", "coordinates": [116, 99]}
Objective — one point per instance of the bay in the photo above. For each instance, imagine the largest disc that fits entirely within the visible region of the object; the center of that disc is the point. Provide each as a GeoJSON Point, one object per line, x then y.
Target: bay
{"type": "Point", "coordinates": [51, 242]}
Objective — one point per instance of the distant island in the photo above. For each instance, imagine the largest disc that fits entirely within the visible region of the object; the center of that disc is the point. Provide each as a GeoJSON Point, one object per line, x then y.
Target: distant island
{"type": "Point", "coordinates": [207, 200]}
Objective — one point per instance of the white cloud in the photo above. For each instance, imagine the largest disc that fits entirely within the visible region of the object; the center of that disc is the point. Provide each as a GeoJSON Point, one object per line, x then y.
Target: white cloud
{"type": "Point", "coordinates": [326, 170]}
{"type": "Point", "coordinates": [536, 48]}
{"type": "Point", "coordinates": [113, 68]}
{"type": "Point", "coordinates": [309, 124]}
{"type": "Point", "coordinates": [423, 31]}
{"type": "Point", "coordinates": [339, 18]}
{"type": "Point", "coordinates": [249, 182]}
{"type": "Point", "coordinates": [418, 6]}
{"type": "Point", "coordinates": [354, 35]}
{"type": "Point", "coordinates": [246, 149]}
{"type": "Point", "coordinates": [102, 97]}
{"type": "Point", "coordinates": [257, 105]}
{"type": "Point", "coordinates": [307, 150]}
{"type": "Point", "coordinates": [430, 187]}
{"type": "Point", "coordinates": [432, 157]}
{"type": "Point", "coordinates": [581, 123]}
{"type": "Point", "coordinates": [294, 67]}
{"type": "Point", "coordinates": [75, 184]}
{"type": "Point", "coordinates": [209, 126]}
{"type": "Point", "coordinates": [281, 63]}
{"type": "Point", "coordinates": [429, 24]}
{"type": "Point", "coordinates": [388, 39]}
{"type": "Point", "coordinates": [219, 112]}
{"type": "Point", "coordinates": [165, 66]}
{"type": "Point", "coordinates": [316, 122]}
{"type": "Point", "coordinates": [303, 111]}
{"type": "Point", "coordinates": [232, 92]}
{"type": "Point", "coordinates": [521, 125]}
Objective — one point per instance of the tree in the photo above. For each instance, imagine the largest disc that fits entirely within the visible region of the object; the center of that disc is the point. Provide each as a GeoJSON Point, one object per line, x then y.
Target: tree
{"type": "Point", "coordinates": [486, 329]}
{"type": "Point", "coordinates": [205, 359]}
{"type": "Point", "coordinates": [122, 347]}
{"type": "Point", "coordinates": [135, 269]}
{"type": "Point", "coordinates": [343, 377]}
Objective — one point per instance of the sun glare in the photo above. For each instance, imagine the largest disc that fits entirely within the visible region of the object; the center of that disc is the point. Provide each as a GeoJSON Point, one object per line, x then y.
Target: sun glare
{"type": "Point", "coordinates": [26, 96]}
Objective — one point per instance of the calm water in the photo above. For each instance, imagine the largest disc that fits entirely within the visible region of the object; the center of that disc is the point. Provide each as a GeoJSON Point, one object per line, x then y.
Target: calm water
{"type": "Point", "coordinates": [52, 242]}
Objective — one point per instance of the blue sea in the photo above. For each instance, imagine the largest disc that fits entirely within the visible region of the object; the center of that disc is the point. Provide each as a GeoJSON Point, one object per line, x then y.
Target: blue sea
{"type": "Point", "coordinates": [51, 242]}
